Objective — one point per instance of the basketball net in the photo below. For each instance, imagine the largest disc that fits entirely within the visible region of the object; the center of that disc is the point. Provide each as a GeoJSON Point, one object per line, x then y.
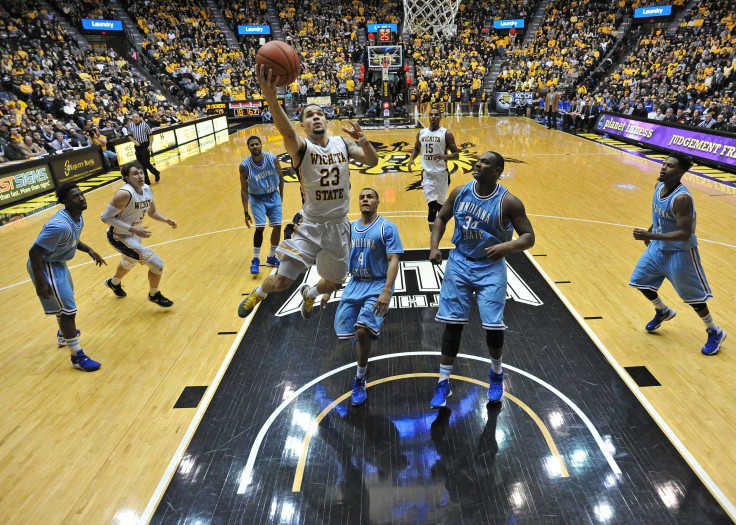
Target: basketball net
{"type": "Point", "coordinates": [433, 17]}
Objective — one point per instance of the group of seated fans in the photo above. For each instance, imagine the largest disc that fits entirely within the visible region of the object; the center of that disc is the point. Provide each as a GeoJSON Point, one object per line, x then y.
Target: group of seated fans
{"type": "Point", "coordinates": [49, 85]}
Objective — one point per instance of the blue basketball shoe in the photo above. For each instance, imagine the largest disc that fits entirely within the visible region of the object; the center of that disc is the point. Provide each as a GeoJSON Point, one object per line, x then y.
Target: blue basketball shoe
{"type": "Point", "coordinates": [441, 393]}
{"type": "Point", "coordinates": [358, 396]}
{"type": "Point", "coordinates": [713, 344]}
{"type": "Point", "coordinates": [255, 266]}
{"type": "Point", "coordinates": [495, 390]}
{"type": "Point", "coordinates": [272, 261]}
{"type": "Point", "coordinates": [84, 363]}
{"type": "Point", "coordinates": [660, 316]}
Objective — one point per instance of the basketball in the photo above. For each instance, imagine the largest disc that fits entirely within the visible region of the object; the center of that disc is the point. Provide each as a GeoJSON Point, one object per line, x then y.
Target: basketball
{"type": "Point", "coordinates": [280, 58]}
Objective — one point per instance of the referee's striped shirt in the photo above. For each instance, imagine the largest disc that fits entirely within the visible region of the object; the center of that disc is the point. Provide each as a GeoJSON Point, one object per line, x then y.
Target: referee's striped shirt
{"type": "Point", "coordinates": [139, 132]}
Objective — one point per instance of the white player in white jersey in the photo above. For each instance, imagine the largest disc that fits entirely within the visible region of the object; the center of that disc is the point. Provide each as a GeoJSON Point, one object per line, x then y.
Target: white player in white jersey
{"type": "Point", "coordinates": [132, 201]}
{"type": "Point", "coordinates": [433, 144]}
{"type": "Point", "coordinates": [323, 233]}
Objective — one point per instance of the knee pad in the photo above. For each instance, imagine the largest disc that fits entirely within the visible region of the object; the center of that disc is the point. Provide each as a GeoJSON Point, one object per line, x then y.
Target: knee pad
{"type": "Point", "coordinates": [494, 338]}
{"type": "Point", "coordinates": [127, 263]}
{"type": "Point", "coordinates": [155, 264]}
{"type": "Point", "coordinates": [699, 307]}
{"type": "Point", "coordinates": [451, 339]}
{"type": "Point", "coordinates": [434, 207]}
{"type": "Point", "coordinates": [649, 294]}
{"type": "Point", "coordinates": [258, 237]}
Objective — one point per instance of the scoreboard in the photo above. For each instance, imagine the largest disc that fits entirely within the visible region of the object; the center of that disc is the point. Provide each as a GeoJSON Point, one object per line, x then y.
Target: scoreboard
{"type": "Point", "coordinates": [239, 109]}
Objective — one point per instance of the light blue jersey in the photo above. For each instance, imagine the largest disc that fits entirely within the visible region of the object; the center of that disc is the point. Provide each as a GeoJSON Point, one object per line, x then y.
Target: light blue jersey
{"type": "Point", "coordinates": [263, 178]}
{"type": "Point", "coordinates": [368, 266]}
{"type": "Point", "coordinates": [664, 219]}
{"type": "Point", "coordinates": [60, 236]}
{"type": "Point", "coordinates": [478, 221]}
{"type": "Point", "coordinates": [368, 248]}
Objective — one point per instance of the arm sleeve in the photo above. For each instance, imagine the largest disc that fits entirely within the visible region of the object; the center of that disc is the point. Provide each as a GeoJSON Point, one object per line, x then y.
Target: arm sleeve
{"type": "Point", "coordinates": [110, 216]}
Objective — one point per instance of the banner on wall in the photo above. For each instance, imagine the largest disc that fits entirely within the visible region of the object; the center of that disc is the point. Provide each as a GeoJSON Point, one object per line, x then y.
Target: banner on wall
{"type": "Point", "coordinates": [506, 100]}
{"type": "Point", "coordinates": [125, 152]}
{"type": "Point", "coordinates": [24, 183]}
{"type": "Point", "coordinates": [703, 145]}
{"type": "Point", "coordinates": [77, 165]}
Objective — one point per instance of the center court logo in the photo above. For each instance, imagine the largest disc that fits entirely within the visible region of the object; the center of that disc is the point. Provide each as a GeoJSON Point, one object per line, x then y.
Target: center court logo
{"type": "Point", "coordinates": [417, 285]}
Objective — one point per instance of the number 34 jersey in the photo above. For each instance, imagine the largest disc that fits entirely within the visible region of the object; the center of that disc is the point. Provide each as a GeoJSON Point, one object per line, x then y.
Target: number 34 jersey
{"type": "Point", "coordinates": [325, 180]}
{"type": "Point", "coordinates": [478, 221]}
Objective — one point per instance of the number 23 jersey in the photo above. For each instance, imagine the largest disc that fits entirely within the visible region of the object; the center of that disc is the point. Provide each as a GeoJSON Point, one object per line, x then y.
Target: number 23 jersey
{"type": "Point", "coordinates": [325, 179]}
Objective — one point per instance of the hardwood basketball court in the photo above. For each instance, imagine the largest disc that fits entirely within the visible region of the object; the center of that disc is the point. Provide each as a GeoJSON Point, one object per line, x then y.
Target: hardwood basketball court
{"type": "Point", "coordinates": [97, 448]}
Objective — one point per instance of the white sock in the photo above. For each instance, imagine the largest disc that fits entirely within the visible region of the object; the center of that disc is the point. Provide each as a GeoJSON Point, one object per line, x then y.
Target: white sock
{"type": "Point", "coordinates": [115, 281]}
{"type": "Point", "coordinates": [260, 292]}
{"type": "Point", "coordinates": [256, 252]}
{"type": "Point", "coordinates": [659, 304]}
{"type": "Point", "coordinates": [313, 293]}
{"type": "Point", "coordinates": [153, 292]}
{"type": "Point", "coordinates": [445, 371]}
{"type": "Point", "coordinates": [496, 366]}
{"type": "Point", "coordinates": [709, 322]}
{"type": "Point", "coordinates": [73, 345]}
{"type": "Point", "coordinates": [272, 253]}
{"type": "Point", "coordinates": [362, 370]}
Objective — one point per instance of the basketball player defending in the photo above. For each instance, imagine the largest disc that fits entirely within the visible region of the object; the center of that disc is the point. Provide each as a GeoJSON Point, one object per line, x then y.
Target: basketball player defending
{"type": "Point", "coordinates": [375, 246]}
{"type": "Point", "coordinates": [56, 244]}
{"type": "Point", "coordinates": [486, 215]}
{"type": "Point", "coordinates": [323, 233]}
{"type": "Point", "coordinates": [262, 186]}
{"type": "Point", "coordinates": [125, 215]}
{"type": "Point", "coordinates": [672, 252]}
{"type": "Point", "coordinates": [432, 144]}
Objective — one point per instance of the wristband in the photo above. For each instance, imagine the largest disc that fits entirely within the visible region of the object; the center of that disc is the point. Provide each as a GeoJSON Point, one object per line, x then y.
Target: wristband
{"type": "Point", "coordinates": [247, 214]}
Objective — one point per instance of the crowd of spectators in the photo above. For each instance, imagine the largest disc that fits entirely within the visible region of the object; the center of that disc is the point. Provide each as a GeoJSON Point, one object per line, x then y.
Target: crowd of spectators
{"type": "Point", "coordinates": [48, 85]}
{"type": "Point", "coordinates": [74, 10]}
{"type": "Point", "coordinates": [569, 43]}
{"type": "Point", "coordinates": [244, 13]}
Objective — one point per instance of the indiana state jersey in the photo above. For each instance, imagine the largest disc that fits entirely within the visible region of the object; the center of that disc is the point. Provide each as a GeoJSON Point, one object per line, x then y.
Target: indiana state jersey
{"type": "Point", "coordinates": [263, 178]}
{"type": "Point", "coordinates": [478, 221]}
{"type": "Point", "coordinates": [325, 180]}
{"type": "Point", "coordinates": [432, 144]}
{"type": "Point", "coordinates": [369, 245]}
{"type": "Point", "coordinates": [664, 220]}
{"type": "Point", "coordinates": [136, 208]}
{"type": "Point", "coordinates": [60, 237]}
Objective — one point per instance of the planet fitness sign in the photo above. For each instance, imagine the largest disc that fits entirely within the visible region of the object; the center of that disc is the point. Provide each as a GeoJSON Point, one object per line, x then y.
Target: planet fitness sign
{"type": "Point", "coordinates": [700, 144]}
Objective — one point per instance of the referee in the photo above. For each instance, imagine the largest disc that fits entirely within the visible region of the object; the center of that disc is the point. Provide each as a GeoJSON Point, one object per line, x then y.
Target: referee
{"type": "Point", "coordinates": [141, 135]}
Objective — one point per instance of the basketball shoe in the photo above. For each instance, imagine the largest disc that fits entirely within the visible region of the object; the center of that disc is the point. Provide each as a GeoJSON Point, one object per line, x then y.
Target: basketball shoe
{"type": "Point", "coordinates": [117, 289]}
{"type": "Point", "coordinates": [272, 262]}
{"type": "Point", "coordinates": [441, 393]}
{"type": "Point", "coordinates": [83, 362]}
{"type": "Point", "coordinates": [358, 396]}
{"type": "Point", "coordinates": [60, 340]}
{"type": "Point", "coordinates": [307, 303]}
{"type": "Point", "coordinates": [660, 316]}
{"type": "Point", "coordinates": [715, 338]}
{"type": "Point", "coordinates": [160, 300]}
{"type": "Point", "coordinates": [246, 305]}
{"type": "Point", "coordinates": [495, 390]}
{"type": "Point", "coordinates": [255, 266]}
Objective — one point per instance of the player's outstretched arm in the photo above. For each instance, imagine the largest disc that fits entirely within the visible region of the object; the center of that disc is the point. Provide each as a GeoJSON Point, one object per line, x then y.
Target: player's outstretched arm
{"type": "Point", "coordinates": [267, 81]}
{"type": "Point", "coordinates": [99, 261]}
{"type": "Point", "coordinates": [158, 216]}
{"type": "Point", "coordinates": [361, 150]}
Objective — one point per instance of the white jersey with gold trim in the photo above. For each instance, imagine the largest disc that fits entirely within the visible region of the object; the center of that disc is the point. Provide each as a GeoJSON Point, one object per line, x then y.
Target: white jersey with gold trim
{"type": "Point", "coordinates": [136, 208]}
{"type": "Point", "coordinates": [432, 144]}
{"type": "Point", "coordinates": [325, 180]}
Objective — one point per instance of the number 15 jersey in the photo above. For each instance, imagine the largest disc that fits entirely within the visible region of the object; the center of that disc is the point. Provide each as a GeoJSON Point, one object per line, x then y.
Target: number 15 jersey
{"type": "Point", "coordinates": [325, 179]}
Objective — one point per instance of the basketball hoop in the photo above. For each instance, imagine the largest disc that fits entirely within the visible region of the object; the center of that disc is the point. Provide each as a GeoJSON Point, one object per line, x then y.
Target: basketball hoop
{"type": "Point", "coordinates": [433, 17]}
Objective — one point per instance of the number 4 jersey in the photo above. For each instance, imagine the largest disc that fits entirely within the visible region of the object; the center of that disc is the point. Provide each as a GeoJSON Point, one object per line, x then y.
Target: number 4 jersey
{"type": "Point", "coordinates": [325, 179]}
